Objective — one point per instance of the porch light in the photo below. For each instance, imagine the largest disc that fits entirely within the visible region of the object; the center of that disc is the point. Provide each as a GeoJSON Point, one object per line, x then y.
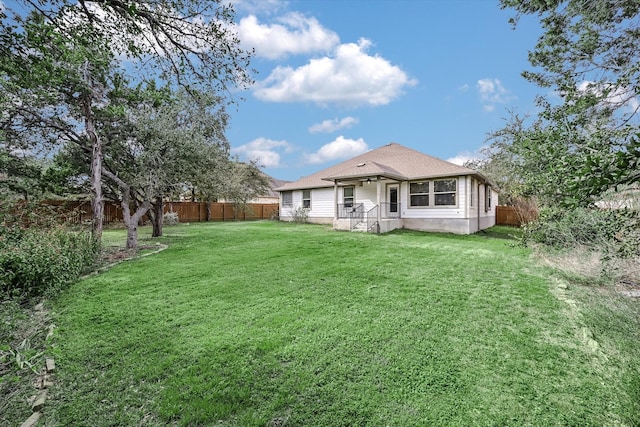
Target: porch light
{"type": "Point", "coordinates": [368, 180]}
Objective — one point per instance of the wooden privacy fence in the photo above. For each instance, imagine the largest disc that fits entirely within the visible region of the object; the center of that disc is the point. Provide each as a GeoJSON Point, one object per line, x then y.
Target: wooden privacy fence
{"type": "Point", "coordinates": [509, 215]}
{"type": "Point", "coordinates": [80, 211]}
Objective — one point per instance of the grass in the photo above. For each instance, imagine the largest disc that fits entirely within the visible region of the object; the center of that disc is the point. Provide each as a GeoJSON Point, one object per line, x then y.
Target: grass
{"type": "Point", "coordinates": [262, 323]}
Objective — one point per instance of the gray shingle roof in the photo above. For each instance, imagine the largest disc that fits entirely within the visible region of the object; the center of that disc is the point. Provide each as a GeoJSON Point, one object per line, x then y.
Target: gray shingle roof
{"type": "Point", "coordinates": [392, 161]}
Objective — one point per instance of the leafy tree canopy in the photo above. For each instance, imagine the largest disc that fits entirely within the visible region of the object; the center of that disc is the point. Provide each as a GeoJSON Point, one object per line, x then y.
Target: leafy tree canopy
{"type": "Point", "coordinates": [584, 140]}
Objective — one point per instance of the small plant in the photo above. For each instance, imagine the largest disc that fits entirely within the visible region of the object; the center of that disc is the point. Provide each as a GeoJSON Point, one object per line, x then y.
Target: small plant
{"type": "Point", "coordinates": [171, 218]}
{"type": "Point", "coordinates": [300, 215]}
{"type": "Point", "coordinates": [22, 356]}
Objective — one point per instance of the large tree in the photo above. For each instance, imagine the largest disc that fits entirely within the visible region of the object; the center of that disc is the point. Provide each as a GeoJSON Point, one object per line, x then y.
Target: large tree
{"type": "Point", "coordinates": [585, 139]}
{"type": "Point", "coordinates": [61, 54]}
{"type": "Point", "coordinates": [245, 182]}
{"type": "Point", "coordinates": [157, 143]}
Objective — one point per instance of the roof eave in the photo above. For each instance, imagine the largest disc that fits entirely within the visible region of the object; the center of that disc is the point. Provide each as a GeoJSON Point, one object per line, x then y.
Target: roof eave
{"type": "Point", "coordinates": [363, 176]}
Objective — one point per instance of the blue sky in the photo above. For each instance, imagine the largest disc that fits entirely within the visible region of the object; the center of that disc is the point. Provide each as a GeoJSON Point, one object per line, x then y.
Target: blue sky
{"type": "Point", "coordinates": [339, 77]}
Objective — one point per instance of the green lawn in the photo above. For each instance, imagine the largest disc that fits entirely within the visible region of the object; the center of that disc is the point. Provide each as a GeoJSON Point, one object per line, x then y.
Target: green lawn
{"type": "Point", "coordinates": [271, 324]}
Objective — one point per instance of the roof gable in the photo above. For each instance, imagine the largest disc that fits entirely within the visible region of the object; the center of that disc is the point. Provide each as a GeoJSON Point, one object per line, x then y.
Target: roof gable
{"type": "Point", "coordinates": [393, 161]}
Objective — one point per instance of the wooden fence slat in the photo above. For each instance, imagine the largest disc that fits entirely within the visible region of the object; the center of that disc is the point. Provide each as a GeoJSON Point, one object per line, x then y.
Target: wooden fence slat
{"type": "Point", "coordinates": [507, 215]}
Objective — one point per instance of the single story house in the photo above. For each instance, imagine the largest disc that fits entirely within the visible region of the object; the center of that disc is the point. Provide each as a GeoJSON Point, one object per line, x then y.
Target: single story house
{"type": "Point", "coordinates": [393, 187]}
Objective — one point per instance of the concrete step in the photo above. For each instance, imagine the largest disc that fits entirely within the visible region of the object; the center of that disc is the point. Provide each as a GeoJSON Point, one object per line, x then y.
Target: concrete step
{"type": "Point", "coordinates": [362, 227]}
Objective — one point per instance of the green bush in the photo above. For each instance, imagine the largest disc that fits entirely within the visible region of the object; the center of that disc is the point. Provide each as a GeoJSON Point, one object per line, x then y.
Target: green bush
{"type": "Point", "coordinates": [34, 262]}
{"type": "Point", "coordinates": [616, 232]}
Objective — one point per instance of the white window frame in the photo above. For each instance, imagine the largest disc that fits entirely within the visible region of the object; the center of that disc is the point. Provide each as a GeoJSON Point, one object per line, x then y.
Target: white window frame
{"type": "Point", "coordinates": [428, 194]}
{"type": "Point", "coordinates": [306, 199]}
{"type": "Point", "coordinates": [352, 197]}
{"type": "Point", "coordinates": [487, 196]}
{"type": "Point", "coordinates": [439, 193]}
{"type": "Point", "coordinates": [287, 195]}
{"type": "Point", "coordinates": [472, 193]}
{"type": "Point", "coordinates": [432, 193]}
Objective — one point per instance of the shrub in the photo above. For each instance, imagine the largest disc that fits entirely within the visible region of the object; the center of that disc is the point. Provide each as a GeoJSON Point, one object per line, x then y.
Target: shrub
{"type": "Point", "coordinates": [171, 218]}
{"type": "Point", "coordinates": [615, 232]}
{"type": "Point", "coordinates": [35, 262]}
{"type": "Point", "coordinates": [300, 215]}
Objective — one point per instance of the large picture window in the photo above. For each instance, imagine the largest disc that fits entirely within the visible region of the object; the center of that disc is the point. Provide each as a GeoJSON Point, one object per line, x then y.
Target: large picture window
{"type": "Point", "coordinates": [347, 196]}
{"type": "Point", "coordinates": [437, 192]}
{"type": "Point", "coordinates": [287, 198]}
{"type": "Point", "coordinates": [419, 193]}
{"type": "Point", "coordinates": [306, 199]}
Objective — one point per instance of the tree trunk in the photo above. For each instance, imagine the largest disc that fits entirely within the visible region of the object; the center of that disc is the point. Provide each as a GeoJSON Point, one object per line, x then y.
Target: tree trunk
{"type": "Point", "coordinates": [97, 204]}
{"type": "Point", "coordinates": [208, 212]}
{"type": "Point", "coordinates": [157, 219]}
{"type": "Point", "coordinates": [131, 221]}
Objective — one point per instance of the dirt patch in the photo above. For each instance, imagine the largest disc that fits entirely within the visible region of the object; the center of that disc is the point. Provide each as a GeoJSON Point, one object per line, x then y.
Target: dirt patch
{"type": "Point", "coordinates": [114, 255]}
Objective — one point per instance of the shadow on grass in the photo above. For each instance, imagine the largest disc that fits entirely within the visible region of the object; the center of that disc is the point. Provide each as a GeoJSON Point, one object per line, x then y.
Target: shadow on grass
{"type": "Point", "coordinates": [502, 232]}
{"type": "Point", "coordinates": [495, 232]}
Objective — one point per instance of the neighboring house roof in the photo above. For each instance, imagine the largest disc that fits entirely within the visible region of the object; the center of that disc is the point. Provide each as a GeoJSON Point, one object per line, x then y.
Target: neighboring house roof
{"type": "Point", "coordinates": [275, 183]}
{"type": "Point", "coordinates": [393, 161]}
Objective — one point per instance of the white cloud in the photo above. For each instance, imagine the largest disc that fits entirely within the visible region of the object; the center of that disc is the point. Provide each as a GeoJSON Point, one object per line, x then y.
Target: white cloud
{"type": "Point", "coordinates": [265, 151]}
{"type": "Point", "coordinates": [492, 92]}
{"type": "Point", "coordinates": [328, 126]}
{"type": "Point", "coordinates": [618, 96]}
{"type": "Point", "coordinates": [461, 158]}
{"type": "Point", "coordinates": [351, 78]}
{"type": "Point", "coordinates": [293, 34]}
{"type": "Point", "coordinates": [340, 148]}
{"type": "Point", "coordinates": [463, 88]}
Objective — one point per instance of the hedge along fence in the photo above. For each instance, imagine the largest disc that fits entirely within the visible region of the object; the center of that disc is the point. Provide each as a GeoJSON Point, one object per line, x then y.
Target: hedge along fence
{"type": "Point", "coordinates": [80, 211]}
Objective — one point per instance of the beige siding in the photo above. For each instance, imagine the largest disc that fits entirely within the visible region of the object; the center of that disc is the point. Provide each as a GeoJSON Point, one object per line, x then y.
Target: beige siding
{"type": "Point", "coordinates": [321, 203]}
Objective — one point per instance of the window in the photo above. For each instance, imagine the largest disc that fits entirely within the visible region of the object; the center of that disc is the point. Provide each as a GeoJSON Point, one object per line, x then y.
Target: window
{"type": "Point", "coordinates": [487, 195]}
{"type": "Point", "coordinates": [419, 193]}
{"type": "Point", "coordinates": [473, 192]}
{"type": "Point", "coordinates": [438, 192]}
{"type": "Point", "coordinates": [287, 198]}
{"type": "Point", "coordinates": [444, 191]}
{"type": "Point", "coordinates": [306, 199]}
{"type": "Point", "coordinates": [347, 196]}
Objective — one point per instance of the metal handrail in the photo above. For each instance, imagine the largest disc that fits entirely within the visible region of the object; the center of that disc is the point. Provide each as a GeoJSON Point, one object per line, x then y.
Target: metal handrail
{"type": "Point", "coordinates": [357, 215]}
{"type": "Point", "coordinates": [346, 210]}
{"type": "Point", "coordinates": [372, 218]}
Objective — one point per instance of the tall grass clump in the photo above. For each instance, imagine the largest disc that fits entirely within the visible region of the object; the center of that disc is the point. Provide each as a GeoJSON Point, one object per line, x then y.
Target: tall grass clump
{"type": "Point", "coordinates": [616, 231]}
{"type": "Point", "coordinates": [611, 236]}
